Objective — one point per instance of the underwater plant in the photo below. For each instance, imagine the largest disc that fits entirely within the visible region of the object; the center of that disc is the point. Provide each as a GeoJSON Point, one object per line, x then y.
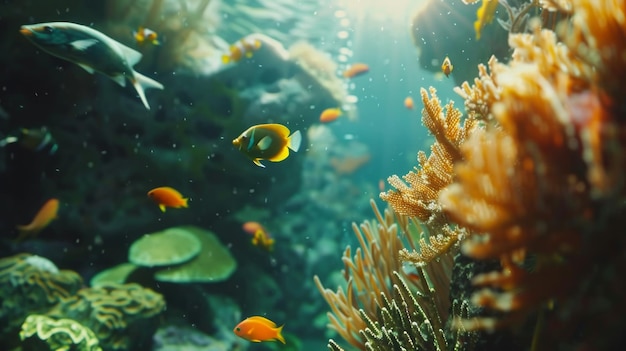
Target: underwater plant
{"type": "Point", "coordinates": [387, 305]}
{"type": "Point", "coordinates": [532, 187]}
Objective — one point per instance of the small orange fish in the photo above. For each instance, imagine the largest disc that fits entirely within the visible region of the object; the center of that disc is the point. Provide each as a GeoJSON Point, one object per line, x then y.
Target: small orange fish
{"type": "Point", "coordinates": [143, 35]}
{"type": "Point", "coordinates": [245, 46]}
{"type": "Point", "coordinates": [167, 197]}
{"type": "Point", "coordinates": [47, 213]}
{"type": "Point", "coordinates": [252, 227]}
{"type": "Point", "coordinates": [408, 103]}
{"type": "Point", "coordinates": [329, 115]}
{"type": "Point", "coordinates": [260, 236]}
{"type": "Point", "coordinates": [356, 69]}
{"type": "Point", "coordinates": [446, 66]}
{"type": "Point", "coordinates": [258, 329]}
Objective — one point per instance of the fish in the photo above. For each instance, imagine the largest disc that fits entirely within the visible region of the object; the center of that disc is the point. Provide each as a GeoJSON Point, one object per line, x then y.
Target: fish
{"type": "Point", "coordinates": [244, 47]}
{"type": "Point", "coordinates": [330, 114]}
{"type": "Point", "coordinates": [35, 140]}
{"type": "Point", "coordinates": [143, 35]}
{"type": "Point", "coordinates": [446, 66]}
{"type": "Point", "coordinates": [408, 103]}
{"type": "Point", "coordinates": [355, 70]}
{"type": "Point", "coordinates": [91, 50]}
{"type": "Point", "coordinates": [46, 214]}
{"type": "Point", "coordinates": [258, 329]}
{"type": "Point", "coordinates": [267, 142]}
{"type": "Point", "coordinates": [262, 239]}
{"type": "Point", "coordinates": [260, 236]}
{"type": "Point", "coordinates": [167, 197]}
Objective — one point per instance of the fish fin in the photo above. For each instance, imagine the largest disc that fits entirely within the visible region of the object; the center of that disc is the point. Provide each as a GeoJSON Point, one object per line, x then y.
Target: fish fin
{"type": "Point", "coordinates": [185, 202]}
{"type": "Point", "coordinates": [225, 59]}
{"type": "Point", "coordinates": [119, 79]}
{"type": "Point", "coordinates": [283, 154]}
{"type": "Point", "coordinates": [279, 334]}
{"type": "Point", "coordinates": [83, 44]}
{"type": "Point", "coordinates": [294, 141]}
{"type": "Point", "coordinates": [248, 54]}
{"type": "Point", "coordinates": [141, 82]}
{"type": "Point", "coordinates": [264, 143]}
{"type": "Point", "coordinates": [87, 68]}
{"type": "Point", "coordinates": [162, 207]}
{"type": "Point", "coordinates": [132, 56]}
{"type": "Point", "coordinates": [256, 162]}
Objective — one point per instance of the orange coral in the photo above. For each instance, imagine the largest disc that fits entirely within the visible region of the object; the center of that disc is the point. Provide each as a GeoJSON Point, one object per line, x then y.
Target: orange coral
{"type": "Point", "coordinates": [546, 174]}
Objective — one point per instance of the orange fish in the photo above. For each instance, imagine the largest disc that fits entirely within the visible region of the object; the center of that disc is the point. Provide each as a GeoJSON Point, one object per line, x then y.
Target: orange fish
{"type": "Point", "coordinates": [329, 115]}
{"type": "Point", "coordinates": [167, 197]}
{"type": "Point", "coordinates": [260, 236]}
{"type": "Point", "coordinates": [252, 227]}
{"type": "Point", "coordinates": [258, 329]}
{"type": "Point", "coordinates": [46, 214]}
{"type": "Point", "coordinates": [356, 69]}
{"type": "Point", "coordinates": [408, 103]}
{"type": "Point", "coordinates": [244, 47]}
{"type": "Point", "coordinates": [446, 66]}
{"type": "Point", "coordinates": [144, 35]}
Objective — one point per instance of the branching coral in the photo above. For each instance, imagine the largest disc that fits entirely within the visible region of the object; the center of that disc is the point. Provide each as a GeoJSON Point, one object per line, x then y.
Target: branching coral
{"type": "Point", "coordinates": [419, 198]}
{"type": "Point", "coordinates": [385, 307]}
{"type": "Point", "coordinates": [553, 153]}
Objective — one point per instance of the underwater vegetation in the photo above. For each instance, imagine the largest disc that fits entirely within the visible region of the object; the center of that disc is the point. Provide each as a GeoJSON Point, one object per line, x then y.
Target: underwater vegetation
{"type": "Point", "coordinates": [524, 192]}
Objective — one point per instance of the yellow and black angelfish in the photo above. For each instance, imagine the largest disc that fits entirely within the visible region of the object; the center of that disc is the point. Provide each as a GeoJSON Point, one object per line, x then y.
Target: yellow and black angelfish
{"type": "Point", "coordinates": [267, 142]}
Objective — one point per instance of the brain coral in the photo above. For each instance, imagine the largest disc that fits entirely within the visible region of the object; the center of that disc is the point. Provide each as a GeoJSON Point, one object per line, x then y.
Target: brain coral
{"type": "Point", "coordinates": [120, 315]}
{"type": "Point", "coordinates": [31, 284]}
{"type": "Point", "coordinates": [40, 333]}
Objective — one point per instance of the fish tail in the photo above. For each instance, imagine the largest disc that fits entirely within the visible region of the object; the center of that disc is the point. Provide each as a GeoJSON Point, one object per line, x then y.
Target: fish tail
{"type": "Point", "coordinates": [294, 141]}
{"type": "Point", "coordinates": [141, 83]}
{"type": "Point", "coordinates": [185, 202]}
{"type": "Point", "coordinates": [279, 335]}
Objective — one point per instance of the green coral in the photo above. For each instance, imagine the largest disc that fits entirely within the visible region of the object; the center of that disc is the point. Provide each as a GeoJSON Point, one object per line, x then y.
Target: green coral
{"type": "Point", "coordinates": [213, 264]}
{"type": "Point", "coordinates": [171, 246]}
{"type": "Point", "coordinates": [42, 333]}
{"type": "Point", "coordinates": [121, 316]}
{"type": "Point", "coordinates": [31, 284]}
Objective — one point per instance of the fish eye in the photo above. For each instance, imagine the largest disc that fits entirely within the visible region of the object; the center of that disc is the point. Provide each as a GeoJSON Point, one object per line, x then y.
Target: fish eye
{"type": "Point", "coordinates": [238, 329]}
{"type": "Point", "coordinates": [48, 29]}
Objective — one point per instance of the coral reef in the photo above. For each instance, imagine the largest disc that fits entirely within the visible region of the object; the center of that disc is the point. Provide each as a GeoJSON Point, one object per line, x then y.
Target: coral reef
{"type": "Point", "coordinates": [532, 187]}
{"type": "Point", "coordinates": [31, 284]}
{"type": "Point", "coordinates": [387, 306]}
{"type": "Point", "coordinates": [57, 335]}
{"type": "Point", "coordinates": [121, 316]}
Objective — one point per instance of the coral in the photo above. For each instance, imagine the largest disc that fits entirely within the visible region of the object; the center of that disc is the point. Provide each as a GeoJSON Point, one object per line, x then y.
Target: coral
{"type": "Point", "coordinates": [386, 307]}
{"type": "Point", "coordinates": [117, 274]}
{"type": "Point", "coordinates": [419, 198]}
{"type": "Point", "coordinates": [121, 316]}
{"type": "Point", "coordinates": [169, 247]}
{"type": "Point", "coordinates": [57, 335]}
{"type": "Point", "coordinates": [551, 152]}
{"type": "Point", "coordinates": [537, 184]}
{"type": "Point", "coordinates": [31, 284]}
{"type": "Point", "coordinates": [213, 264]}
